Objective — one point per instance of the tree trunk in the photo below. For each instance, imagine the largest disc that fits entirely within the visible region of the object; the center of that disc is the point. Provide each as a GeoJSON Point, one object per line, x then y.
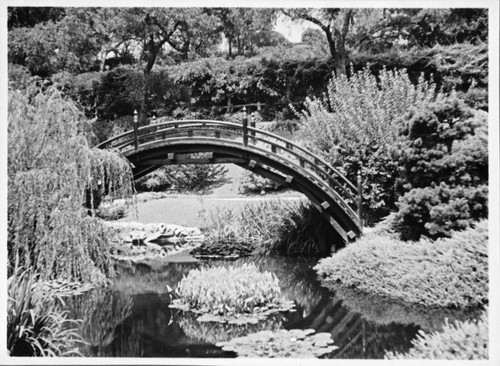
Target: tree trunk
{"type": "Point", "coordinates": [340, 59]}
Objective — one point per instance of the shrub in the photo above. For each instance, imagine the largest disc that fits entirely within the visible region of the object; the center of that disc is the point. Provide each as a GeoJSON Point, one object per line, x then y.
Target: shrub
{"type": "Point", "coordinates": [357, 123]}
{"type": "Point", "coordinates": [50, 169]}
{"type": "Point", "coordinates": [188, 177]}
{"type": "Point", "coordinates": [466, 340]}
{"type": "Point", "coordinates": [36, 323]}
{"type": "Point", "coordinates": [111, 211]}
{"type": "Point", "coordinates": [254, 183]}
{"type": "Point", "coordinates": [451, 272]}
{"type": "Point", "coordinates": [19, 76]}
{"type": "Point", "coordinates": [443, 161]}
{"type": "Point", "coordinates": [438, 211]}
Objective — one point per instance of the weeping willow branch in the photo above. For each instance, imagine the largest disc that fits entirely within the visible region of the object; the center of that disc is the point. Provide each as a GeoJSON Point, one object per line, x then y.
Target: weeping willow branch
{"type": "Point", "coordinates": [50, 169]}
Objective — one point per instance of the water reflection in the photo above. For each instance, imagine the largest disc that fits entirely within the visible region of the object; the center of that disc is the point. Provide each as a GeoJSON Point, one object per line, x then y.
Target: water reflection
{"type": "Point", "coordinates": [132, 317]}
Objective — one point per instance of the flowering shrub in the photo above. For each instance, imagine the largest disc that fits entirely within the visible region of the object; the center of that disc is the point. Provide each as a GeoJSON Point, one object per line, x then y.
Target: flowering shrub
{"type": "Point", "coordinates": [466, 340]}
{"type": "Point", "coordinates": [357, 123]}
{"type": "Point", "coordinates": [452, 272]}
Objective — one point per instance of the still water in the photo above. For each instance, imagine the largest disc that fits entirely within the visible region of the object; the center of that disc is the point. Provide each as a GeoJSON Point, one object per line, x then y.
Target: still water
{"type": "Point", "coordinates": [131, 318]}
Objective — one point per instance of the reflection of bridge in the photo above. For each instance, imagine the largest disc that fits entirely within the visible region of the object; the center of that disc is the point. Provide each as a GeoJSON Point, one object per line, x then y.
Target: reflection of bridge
{"type": "Point", "coordinates": [266, 154]}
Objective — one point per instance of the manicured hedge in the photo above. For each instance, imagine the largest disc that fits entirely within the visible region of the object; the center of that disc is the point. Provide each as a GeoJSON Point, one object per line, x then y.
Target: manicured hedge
{"type": "Point", "coordinates": [447, 272]}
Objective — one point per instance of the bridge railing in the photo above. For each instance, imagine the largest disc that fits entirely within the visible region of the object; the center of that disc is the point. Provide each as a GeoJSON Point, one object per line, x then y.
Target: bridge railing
{"type": "Point", "coordinates": [251, 138]}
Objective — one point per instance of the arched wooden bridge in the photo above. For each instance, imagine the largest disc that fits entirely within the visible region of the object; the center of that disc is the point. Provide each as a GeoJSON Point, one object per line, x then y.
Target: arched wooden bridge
{"type": "Point", "coordinates": [213, 142]}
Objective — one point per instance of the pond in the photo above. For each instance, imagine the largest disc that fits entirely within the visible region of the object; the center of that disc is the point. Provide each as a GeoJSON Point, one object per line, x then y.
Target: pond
{"type": "Point", "coordinates": [132, 318]}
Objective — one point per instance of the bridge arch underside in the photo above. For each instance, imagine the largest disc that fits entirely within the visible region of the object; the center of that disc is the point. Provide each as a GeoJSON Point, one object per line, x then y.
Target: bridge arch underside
{"type": "Point", "coordinates": [150, 157]}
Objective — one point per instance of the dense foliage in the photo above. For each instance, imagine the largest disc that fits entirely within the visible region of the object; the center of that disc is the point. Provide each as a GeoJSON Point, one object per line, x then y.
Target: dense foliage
{"type": "Point", "coordinates": [440, 273]}
{"type": "Point", "coordinates": [357, 123]}
{"type": "Point", "coordinates": [443, 166]}
{"type": "Point", "coordinates": [51, 171]}
{"type": "Point", "coordinates": [468, 340]}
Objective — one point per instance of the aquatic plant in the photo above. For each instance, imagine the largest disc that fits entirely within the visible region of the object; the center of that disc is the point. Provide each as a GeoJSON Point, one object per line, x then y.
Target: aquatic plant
{"type": "Point", "coordinates": [236, 295]}
{"type": "Point", "coordinates": [296, 343]}
{"type": "Point", "coordinates": [466, 340]}
{"type": "Point", "coordinates": [449, 272]}
{"type": "Point", "coordinates": [296, 278]}
{"type": "Point", "coordinates": [213, 332]}
{"type": "Point", "coordinates": [36, 323]}
{"type": "Point", "coordinates": [52, 173]}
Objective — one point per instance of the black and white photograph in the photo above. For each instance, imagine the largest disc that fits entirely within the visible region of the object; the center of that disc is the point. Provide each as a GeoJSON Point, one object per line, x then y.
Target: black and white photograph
{"type": "Point", "coordinates": [229, 183]}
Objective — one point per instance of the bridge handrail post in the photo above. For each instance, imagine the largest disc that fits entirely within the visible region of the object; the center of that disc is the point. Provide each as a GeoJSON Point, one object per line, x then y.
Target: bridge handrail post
{"type": "Point", "coordinates": [245, 127]}
{"type": "Point", "coordinates": [252, 125]}
{"type": "Point", "coordinates": [136, 133]}
{"type": "Point", "coordinates": [360, 200]}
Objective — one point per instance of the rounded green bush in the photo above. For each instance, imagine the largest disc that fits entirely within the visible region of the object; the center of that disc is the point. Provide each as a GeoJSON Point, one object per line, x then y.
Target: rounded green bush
{"type": "Point", "coordinates": [449, 272]}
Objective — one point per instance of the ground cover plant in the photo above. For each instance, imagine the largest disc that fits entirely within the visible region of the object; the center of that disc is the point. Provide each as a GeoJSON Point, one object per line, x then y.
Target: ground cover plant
{"type": "Point", "coordinates": [236, 295]}
{"type": "Point", "coordinates": [467, 340]}
{"type": "Point", "coordinates": [451, 272]}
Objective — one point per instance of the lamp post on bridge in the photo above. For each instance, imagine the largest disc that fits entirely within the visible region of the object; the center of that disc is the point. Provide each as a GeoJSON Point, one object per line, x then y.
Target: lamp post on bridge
{"type": "Point", "coordinates": [136, 127]}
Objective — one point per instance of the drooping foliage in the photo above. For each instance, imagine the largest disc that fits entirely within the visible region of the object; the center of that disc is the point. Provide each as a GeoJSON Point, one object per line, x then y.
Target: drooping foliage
{"type": "Point", "coordinates": [357, 123]}
{"type": "Point", "coordinates": [51, 173]}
